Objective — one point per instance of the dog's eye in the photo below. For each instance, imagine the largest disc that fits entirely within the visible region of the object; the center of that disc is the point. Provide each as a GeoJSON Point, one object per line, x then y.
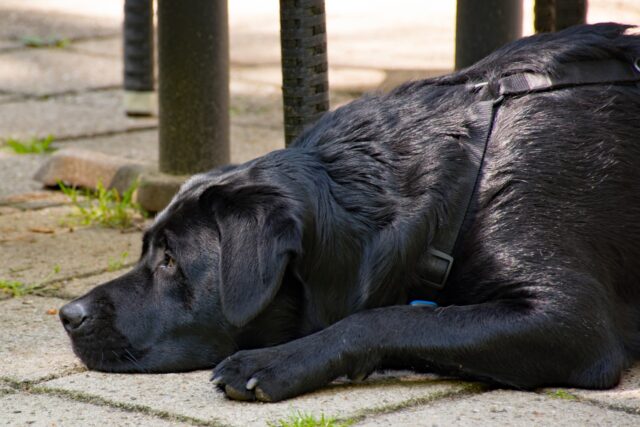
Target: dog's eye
{"type": "Point", "coordinates": [168, 262]}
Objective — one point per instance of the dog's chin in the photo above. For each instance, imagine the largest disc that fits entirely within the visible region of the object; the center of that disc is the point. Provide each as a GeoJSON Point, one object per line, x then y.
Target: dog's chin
{"type": "Point", "coordinates": [128, 360]}
{"type": "Point", "coordinates": [122, 360]}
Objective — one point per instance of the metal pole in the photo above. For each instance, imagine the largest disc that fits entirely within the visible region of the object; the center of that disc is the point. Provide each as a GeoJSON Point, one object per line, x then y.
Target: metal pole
{"type": "Point", "coordinates": [139, 96]}
{"type": "Point", "coordinates": [556, 15]}
{"type": "Point", "coordinates": [193, 65]}
{"type": "Point", "coordinates": [570, 13]}
{"type": "Point", "coordinates": [305, 81]}
{"type": "Point", "coordinates": [544, 16]}
{"type": "Point", "coordinates": [484, 26]}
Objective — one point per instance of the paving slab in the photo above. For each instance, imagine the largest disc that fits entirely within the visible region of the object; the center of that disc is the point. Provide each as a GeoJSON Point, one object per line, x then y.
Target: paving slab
{"type": "Point", "coordinates": [68, 117]}
{"type": "Point", "coordinates": [111, 47]}
{"type": "Point", "coordinates": [50, 71]}
{"type": "Point", "coordinates": [623, 11]}
{"type": "Point", "coordinates": [34, 243]}
{"type": "Point", "coordinates": [264, 109]}
{"type": "Point", "coordinates": [110, 99]}
{"type": "Point", "coordinates": [247, 142]}
{"type": "Point", "coordinates": [140, 145]}
{"type": "Point", "coordinates": [626, 396]}
{"type": "Point", "coordinates": [16, 173]}
{"type": "Point", "coordinates": [358, 35]}
{"type": "Point", "coordinates": [9, 45]}
{"type": "Point", "coordinates": [510, 408]}
{"type": "Point", "coordinates": [31, 201]}
{"type": "Point", "coordinates": [34, 343]}
{"type": "Point", "coordinates": [7, 97]}
{"type": "Point", "coordinates": [260, 104]}
{"type": "Point", "coordinates": [78, 286]}
{"type": "Point", "coordinates": [340, 78]}
{"type": "Point", "coordinates": [21, 409]}
{"type": "Point", "coordinates": [192, 395]}
{"type": "Point", "coordinates": [18, 22]}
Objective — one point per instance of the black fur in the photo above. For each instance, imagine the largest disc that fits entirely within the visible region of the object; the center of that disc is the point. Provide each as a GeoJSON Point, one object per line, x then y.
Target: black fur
{"type": "Point", "coordinates": [297, 267]}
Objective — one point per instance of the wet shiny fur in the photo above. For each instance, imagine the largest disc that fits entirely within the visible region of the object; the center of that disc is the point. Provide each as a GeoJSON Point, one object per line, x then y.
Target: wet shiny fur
{"type": "Point", "coordinates": [296, 268]}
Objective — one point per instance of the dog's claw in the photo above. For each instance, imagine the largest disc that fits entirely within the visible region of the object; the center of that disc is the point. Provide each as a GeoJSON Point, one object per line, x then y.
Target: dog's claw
{"type": "Point", "coordinates": [251, 384]}
{"type": "Point", "coordinates": [236, 394]}
{"type": "Point", "coordinates": [215, 380]}
{"type": "Point", "coordinates": [262, 396]}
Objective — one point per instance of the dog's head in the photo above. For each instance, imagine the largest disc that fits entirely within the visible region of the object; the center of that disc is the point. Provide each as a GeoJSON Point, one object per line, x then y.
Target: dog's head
{"type": "Point", "coordinates": [211, 263]}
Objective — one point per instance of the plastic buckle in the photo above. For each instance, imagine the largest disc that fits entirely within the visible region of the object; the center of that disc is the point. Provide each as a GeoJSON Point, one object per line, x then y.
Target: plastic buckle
{"type": "Point", "coordinates": [442, 271]}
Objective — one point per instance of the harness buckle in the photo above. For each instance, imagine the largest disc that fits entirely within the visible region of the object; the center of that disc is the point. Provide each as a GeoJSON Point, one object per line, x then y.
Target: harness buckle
{"type": "Point", "coordinates": [439, 266]}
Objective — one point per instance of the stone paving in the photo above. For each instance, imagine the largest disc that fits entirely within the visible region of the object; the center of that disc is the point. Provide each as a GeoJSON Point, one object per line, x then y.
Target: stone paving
{"type": "Point", "coordinates": [73, 93]}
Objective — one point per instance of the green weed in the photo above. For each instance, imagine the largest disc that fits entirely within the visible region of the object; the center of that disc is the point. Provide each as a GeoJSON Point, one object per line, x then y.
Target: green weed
{"type": "Point", "coordinates": [31, 146]}
{"type": "Point", "coordinates": [117, 264]}
{"type": "Point", "coordinates": [561, 394]}
{"type": "Point", "coordinates": [15, 288]}
{"type": "Point", "coordinates": [107, 208]}
{"type": "Point", "coordinates": [50, 41]}
{"type": "Point", "coordinates": [300, 419]}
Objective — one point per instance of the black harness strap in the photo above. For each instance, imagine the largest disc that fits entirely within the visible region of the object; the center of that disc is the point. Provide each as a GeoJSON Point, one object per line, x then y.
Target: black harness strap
{"type": "Point", "coordinates": [606, 71]}
{"type": "Point", "coordinates": [439, 259]}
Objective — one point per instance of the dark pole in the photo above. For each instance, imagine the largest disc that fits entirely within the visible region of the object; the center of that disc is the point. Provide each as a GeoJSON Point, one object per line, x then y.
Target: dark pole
{"type": "Point", "coordinates": [305, 82]}
{"type": "Point", "coordinates": [138, 57]}
{"type": "Point", "coordinates": [193, 65]}
{"type": "Point", "coordinates": [484, 26]}
{"type": "Point", "coordinates": [570, 13]}
{"type": "Point", "coordinates": [556, 15]}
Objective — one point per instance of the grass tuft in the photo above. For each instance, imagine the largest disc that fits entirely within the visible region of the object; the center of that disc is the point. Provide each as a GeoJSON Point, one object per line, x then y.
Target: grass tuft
{"type": "Point", "coordinates": [107, 208]}
{"type": "Point", "coordinates": [31, 146]}
{"type": "Point", "coordinates": [118, 263]}
{"type": "Point", "coordinates": [16, 289]}
{"type": "Point", "coordinates": [40, 42]}
{"type": "Point", "coordinates": [562, 394]}
{"type": "Point", "coordinates": [300, 419]}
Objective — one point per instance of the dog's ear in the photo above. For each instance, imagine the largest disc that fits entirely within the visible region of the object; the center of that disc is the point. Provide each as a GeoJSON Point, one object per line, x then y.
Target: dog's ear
{"type": "Point", "coordinates": [258, 237]}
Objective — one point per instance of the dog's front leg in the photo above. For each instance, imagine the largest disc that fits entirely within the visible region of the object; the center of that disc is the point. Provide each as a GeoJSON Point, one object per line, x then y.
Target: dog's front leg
{"type": "Point", "coordinates": [498, 341]}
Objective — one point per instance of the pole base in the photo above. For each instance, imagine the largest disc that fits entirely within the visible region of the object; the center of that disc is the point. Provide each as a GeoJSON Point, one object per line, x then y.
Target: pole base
{"type": "Point", "coordinates": [156, 189]}
{"type": "Point", "coordinates": [140, 104]}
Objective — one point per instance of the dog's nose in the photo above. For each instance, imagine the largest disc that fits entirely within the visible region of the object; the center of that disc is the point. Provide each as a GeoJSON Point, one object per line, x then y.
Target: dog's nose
{"type": "Point", "coordinates": [73, 315]}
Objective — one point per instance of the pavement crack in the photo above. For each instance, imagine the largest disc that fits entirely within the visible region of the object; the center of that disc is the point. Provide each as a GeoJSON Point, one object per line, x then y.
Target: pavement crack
{"type": "Point", "coordinates": [610, 406]}
{"type": "Point", "coordinates": [106, 133]}
{"type": "Point", "coordinates": [594, 402]}
{"type": "Point", "coordinates": [468, 389]}
{"type": "Point", "coordinates": [51, 377]}
{"type": "Point", "coordinates": [128, 407]}
{"type": "Point", "coordinates": [52, 287]}
{"type": "Point", "coordinates": [21, 47]}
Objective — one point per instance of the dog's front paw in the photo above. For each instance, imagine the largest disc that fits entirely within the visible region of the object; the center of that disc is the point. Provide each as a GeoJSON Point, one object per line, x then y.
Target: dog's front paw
{"type": "Point", "coordinates": [271, 374]}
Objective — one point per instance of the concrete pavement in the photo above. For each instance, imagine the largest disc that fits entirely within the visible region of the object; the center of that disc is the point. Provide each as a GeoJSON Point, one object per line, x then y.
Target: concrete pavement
{"type": "Point", "coordinates": [73, 93]}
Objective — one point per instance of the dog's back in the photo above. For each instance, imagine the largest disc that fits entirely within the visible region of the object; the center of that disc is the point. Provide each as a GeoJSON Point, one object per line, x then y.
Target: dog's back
{"type": "Point", "coordinates": [559, 187]}
{"type": "Point", "coordinates": [561, 181]}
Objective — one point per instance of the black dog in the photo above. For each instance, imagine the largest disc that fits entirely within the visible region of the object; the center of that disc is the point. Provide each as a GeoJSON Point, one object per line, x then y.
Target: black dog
{"type": "Point", "coordinates": [298, 267]}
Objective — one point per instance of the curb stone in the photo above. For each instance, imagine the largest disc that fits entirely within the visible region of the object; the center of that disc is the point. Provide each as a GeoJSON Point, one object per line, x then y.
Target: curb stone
{"type": "Point", "coordinates": [83, 168]}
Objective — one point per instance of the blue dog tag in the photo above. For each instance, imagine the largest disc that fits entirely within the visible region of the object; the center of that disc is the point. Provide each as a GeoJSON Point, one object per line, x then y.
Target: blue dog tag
{"type": "Point", "coordinates": [420, 302]}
